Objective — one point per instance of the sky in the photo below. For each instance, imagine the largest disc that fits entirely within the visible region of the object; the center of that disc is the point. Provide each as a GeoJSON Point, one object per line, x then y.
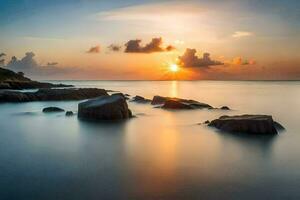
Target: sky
{"type": "Point", "coordinates": [143, 39]}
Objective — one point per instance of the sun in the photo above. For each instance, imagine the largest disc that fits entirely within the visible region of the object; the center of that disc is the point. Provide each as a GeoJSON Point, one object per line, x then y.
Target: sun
{"type": "Point", "coordinates": [173, 68]}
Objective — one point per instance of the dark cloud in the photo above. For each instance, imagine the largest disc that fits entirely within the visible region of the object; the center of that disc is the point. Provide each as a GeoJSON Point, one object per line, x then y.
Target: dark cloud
{"type": "Point", "coordinates": [30, 67]}
{"type": "Point", "coordinates": [26, 63]}
{"type": "Point", "coordinates": [190, 59]}
{"type": "Point", "coordinates": [95, 49]}
{"type": "Point", "coordinates": [134, 46]}
{"type": "Point", "coordinates": [52, 63]}
{"type": "Point", "coordinates": [114, 47]}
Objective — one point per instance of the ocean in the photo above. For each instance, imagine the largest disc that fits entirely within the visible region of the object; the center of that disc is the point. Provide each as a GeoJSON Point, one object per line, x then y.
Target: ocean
{"type": "Point", "coordinates": [160, 154]}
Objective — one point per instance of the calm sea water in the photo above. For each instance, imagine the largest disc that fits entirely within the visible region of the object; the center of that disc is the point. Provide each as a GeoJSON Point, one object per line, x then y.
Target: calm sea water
{"type": "Point", "coordinates": [158, 155]}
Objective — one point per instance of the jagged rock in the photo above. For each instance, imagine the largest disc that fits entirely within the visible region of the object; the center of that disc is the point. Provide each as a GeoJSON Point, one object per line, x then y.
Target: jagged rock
{"type": "Point", "coordinates": [140, 99]}
{"type": "Point", "coordinates": [51, 95]}
{"type": "Point", "coordinates": [112, 107]}
{"type": "Point", "coordinates": [253, 124]}
{"type": "Point", "coordinates": [53, 109]}
{"type": "Point", "coordinates": [158, 100]}
{"type": "Point", "coordinates": [121, 94]}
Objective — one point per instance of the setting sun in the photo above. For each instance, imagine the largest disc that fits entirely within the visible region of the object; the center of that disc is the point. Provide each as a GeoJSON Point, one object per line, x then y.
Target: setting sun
{"type": "Point", "coordinates": [174, 68]}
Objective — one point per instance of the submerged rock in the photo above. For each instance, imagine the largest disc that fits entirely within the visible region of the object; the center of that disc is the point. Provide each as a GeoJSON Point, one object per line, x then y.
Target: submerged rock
{"type": "Point", "coordinates": [112, 107]}
{"type": "Point", "coordinates": [69, 113]}
{"type": "Point", "coordinates": [140, 99]}
{"type": "Point", "coordinates": [51, 95]}
{"type": "Point", "coordinates": [53, 109]}
{"type": "Point", "coordinates": [177, 103]}
{"type": "Point", "coordinates": [225, 108]}
{"type": "Point", "coordinates": [253, 124]}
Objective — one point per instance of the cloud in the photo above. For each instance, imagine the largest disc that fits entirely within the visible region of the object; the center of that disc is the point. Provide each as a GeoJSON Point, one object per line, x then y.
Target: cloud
{"type": "Point", "coordinates": [52, 63]}
{"type": "Point", "coordinates": [114, 47]}
{"type": "Point", "coordinates": [134, 46]}
{"type": "Point", "coordinates": [241, 61]}
{"type": "Point", "coordinates": [239, 34]}
{"type": "Point", "coordinates": [190, 59]}
{"type": "Point", "coordinates": [2, 61]}
{"type": "Point", "coordinates": [27, 62]}
{"type": "Point", "coordinates": [95, 49]}
{"type": "Point", "coordinates": [30, 67]}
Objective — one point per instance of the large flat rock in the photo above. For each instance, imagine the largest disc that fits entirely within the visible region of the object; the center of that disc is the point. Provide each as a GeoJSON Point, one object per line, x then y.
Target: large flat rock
{"type": "Point", "coordinates": [253, 124]}
{"type": "Point", "coordinates": [178, 103]}
{"type": "Point", "coordinates": [112, 107]}
{"type": "Point", "coordinates": [51, 95]}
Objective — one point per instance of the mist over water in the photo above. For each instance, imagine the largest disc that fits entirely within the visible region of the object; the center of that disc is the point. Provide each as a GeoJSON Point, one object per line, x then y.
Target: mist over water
{"type": "Point", "coordinates": [159, 154]}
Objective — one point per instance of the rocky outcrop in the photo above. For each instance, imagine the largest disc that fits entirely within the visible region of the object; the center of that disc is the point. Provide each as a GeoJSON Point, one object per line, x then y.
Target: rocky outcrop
{"type": "Point", "coordinates": [51, 95]}
{"type": "Point", "coordinates": [140, 99]}
{"type": "Point", "coordinates": [177, 103]}
{"type": "Point", "coordinates": [53, 109]}
{"type": "Point", "coordinates": [17, 81]}
{"type": "Point", "coordinates": [112, 107]}
{"type": "Point", "coordinates": [253, 124]}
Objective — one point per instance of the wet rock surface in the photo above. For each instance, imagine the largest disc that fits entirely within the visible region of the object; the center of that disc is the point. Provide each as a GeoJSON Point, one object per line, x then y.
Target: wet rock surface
{"type": "Point", "coordinates": [252, 124]}
{"type": "Point", "coordinates": [178, 103]}
{"type": "Point", "coordinates": [140, 99]}
{"type": "Point", "coordinates": [112, 107]}
{"type": "Point", "coordinates": [69, 113]}
{"type": "Point", "coordinates": [52, 109]}
{"type": "Point", "coordinates": [51, 95]}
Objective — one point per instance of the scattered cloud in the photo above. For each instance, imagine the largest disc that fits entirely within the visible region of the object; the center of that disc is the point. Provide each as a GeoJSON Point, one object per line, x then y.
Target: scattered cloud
{"type": "Point", "coordinates": [239, 34]}
{"type": "Point", "coordinates": [134, 46]}
{"type": "Point", "coordinates": [190, 59]}
{"type": "Point", "coordinates": [2, 61]}
{"type": "Point", "coordinates": [115, 47]}
{"type": "Point", "coordinates": [29, 66]}
{"type": "Point", "coordinates": [95, 49]}
{"type": "Point", "coordinates": [241, 61]}
{"type": "Point", "coordinates": [52, 63]}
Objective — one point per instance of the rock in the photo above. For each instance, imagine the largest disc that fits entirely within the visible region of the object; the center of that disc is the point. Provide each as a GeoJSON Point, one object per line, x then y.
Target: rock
{"type": "Point", "coordinates": [53, 109]}
{"type": "Point", "coordinates": [225, 108]}
{"type": "Point", "coordinates": [177, 103]}
{"type": "Point", "coordinates": [140, 99]}
{"type": "Point", "coordinates": [158, 100]}
{"type": "Point", "coordinates": [174, 104]}
{"type": "Point", "coordinates": [51, 95]}
{"type": "Point", "coordinates": [253, 124]}
{"type": "Point", "coordinates": [206, 122]}
{"type": "Point", "coordinates": [112, 107]}
{"type": "Point", "coordinates": [121, 94]}
{"type": "Point", "coordinates": [69, 113]}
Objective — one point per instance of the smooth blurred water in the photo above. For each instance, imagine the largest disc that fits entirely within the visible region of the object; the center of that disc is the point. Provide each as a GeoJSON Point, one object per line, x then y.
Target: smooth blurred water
{"type": "Point", "coordinates": [158, 155]}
